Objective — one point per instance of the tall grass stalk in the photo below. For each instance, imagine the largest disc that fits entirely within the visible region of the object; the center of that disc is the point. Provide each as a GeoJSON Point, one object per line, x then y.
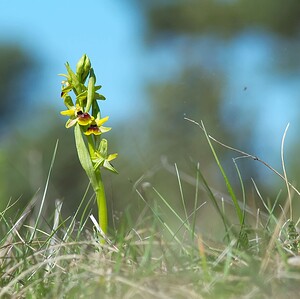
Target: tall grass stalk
{"type": "Point", "coordinates": [44, 193]}
{"type": "Point", "coordinates": [196, 200]}
{"type": "Point", "coordinates": [181, 194]}
{"type": "Point", "coordinates": [228, 185]}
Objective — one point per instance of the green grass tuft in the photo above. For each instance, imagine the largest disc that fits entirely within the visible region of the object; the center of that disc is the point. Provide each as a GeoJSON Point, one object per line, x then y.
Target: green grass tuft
{"type": "Point", "coordinates": [164, 253]}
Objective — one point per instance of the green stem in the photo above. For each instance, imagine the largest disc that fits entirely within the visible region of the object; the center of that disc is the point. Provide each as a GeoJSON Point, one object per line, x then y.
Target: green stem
{"type": "Point", "coordinates": [100, 191]}
{"type": "Point", "coordinates": [91, 146]}
{"type": "Point", "coordinates": [101, 203]}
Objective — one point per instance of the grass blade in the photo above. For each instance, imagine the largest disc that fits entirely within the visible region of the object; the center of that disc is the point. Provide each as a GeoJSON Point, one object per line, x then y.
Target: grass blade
{"type": "Point", "coordinates": [228, 185]}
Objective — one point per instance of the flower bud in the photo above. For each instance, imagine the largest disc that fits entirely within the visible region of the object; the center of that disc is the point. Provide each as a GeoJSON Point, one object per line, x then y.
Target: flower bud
{"type": "Point", "coordinates": [103, 148]}
{"type": "Point", "coordinates": [83, 68]}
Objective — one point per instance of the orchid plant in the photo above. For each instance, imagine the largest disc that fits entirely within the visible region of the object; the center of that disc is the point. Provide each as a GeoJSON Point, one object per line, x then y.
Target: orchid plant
{"type": "Point", "coordinates": [84, 115]}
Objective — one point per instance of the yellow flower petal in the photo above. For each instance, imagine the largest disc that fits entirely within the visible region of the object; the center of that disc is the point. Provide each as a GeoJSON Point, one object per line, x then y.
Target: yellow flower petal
{"type": "Point", "coordinates": [101, 121]}
{"type": "Point", "coordinates": [112, 157]}
{"type": "Point", "coordinates": [70, 112]}
{"type": "Point", "coordinates": [71, 122]}
{"type": "Point", "coordinates": [104, 129]}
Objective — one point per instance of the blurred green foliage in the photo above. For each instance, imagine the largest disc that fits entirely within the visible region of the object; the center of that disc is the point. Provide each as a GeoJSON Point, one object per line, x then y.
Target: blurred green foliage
{"type": "Point", "coordinates": [16, 73]}
{"type": "Point", "coordinates": [192, 91]}
{"type": "Point", "coordinates": [225, 18]}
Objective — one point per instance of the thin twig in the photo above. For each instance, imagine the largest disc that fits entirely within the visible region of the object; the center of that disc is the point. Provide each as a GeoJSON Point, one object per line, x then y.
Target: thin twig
{"type": "Point", "coordinates": [284, 171]}
{"type": "Point", "coordinates": [246, 155]}
{"type": "Point", "coordinates": [103, 235]}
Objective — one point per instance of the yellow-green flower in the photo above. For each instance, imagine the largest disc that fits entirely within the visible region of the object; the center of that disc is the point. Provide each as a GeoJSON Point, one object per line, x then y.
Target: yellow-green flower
{"type": "Point", "coordinates": [76, 114]}
{"type": "Point", "coordinates": [103, 159]}
{"type": "Point", "coordinates": [96, 127]}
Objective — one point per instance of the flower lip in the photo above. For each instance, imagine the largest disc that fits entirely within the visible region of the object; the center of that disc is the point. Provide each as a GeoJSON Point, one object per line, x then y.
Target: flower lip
{"type": "Point", "coordinates": [83, 118]}
{"type": "Point", "coordinates": [96, 127]}
{"type": "Point", "coordinates": [93, 129]}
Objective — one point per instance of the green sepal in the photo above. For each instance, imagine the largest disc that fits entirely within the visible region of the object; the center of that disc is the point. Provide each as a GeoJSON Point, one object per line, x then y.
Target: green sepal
{"type": "Point", "coordinates": [104, 159]}
{"type": "Point", "coordinates": [65, 91]}
{"type": "Point", "coordinates": [104, 162]}
{"type": "Point", "coordinates": [108, 166]}
{"type": "Point", "coordinates": [98, 162]}
{"type": "Point", "coordinates": [84, 157]}
{"type": "Point", "coordinates": [70, 122]}
{"type": "Point", "coordinates": [99, 96]}
{"type": "Point", "coordinates": [64, 75]}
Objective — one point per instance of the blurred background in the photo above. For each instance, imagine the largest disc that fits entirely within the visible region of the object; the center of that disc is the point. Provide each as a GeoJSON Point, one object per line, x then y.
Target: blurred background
{"type": "Point", "coordinates": [234, 64]}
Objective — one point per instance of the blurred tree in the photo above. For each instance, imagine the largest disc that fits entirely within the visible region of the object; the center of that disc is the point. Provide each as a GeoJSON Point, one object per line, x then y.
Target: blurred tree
{"type": "Point", "coordinates": [192, 81]}
{"type": "Point", "coordinates": [16, 70]}
{"type": "Point", "coordinates": [226, 18]}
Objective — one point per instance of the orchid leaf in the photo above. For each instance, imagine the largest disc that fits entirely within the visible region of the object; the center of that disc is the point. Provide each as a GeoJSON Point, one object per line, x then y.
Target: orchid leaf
{"type": "Point", "coordinates": [84, 157]}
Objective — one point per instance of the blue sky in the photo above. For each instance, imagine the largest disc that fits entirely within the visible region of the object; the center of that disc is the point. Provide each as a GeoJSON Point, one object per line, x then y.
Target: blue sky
{"type": "Point", "coordinates": [111, 33]}
{"type": "Point", "coordinates": [59, 31]}
{"type": "Point", "coordinates": [272, 93]}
